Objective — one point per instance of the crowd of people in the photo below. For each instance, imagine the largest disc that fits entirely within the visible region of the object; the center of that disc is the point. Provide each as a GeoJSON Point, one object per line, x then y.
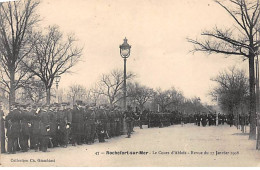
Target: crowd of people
{"type": "Point", "coordinates": [210, 119]}
{"type": "Point", "coordinates": [57, 125]}
{"type": "Point", "coordinates": [221, 119]}
{"type": "Point", "coordinates": [42, 127]}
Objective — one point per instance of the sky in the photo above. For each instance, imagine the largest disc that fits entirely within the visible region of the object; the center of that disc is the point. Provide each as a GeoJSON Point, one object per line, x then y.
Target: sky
{"type": "Point", "coordinates": [156, 30]}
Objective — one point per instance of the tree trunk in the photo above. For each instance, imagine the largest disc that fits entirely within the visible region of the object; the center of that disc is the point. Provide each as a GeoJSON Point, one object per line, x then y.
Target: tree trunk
{"type": "Point", "coordinates": [111, 103]}
{"type": "Point", "coordinates": [12, 87]}
{"type": "Point", "coordinates": [258, 133]}
{"type": "Point", "coordinates": [73, 100]}
{"type": "Point", "coordinates": [141, 109]}
{"type": "Point", "coordinates": [48, 96]}
{"type": "Point", "coordinates": [252, 106]}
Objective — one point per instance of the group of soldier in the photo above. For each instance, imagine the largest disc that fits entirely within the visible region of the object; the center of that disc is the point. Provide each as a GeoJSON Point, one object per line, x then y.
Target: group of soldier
{"type": "Point", "coordinates": [42, 127]}
{"type": "Point", "coordinates": [31, 127]}
{"type": "Point", "coordinates": [210, 119]}
{"type": "Point", "coordinates": [213, 119]}
{"type": "Point", "coordinates": [160, 120]}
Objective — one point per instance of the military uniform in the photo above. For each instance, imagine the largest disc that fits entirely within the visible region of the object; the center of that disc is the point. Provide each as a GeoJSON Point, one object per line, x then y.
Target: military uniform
{"type": "Point", "coordinates": [61, 127]}
{"type": "Point", "coordinates": [2, 131]}
{"type": "Point", "coordinates": [90, 126]}
{"type": "Point", "coordinates": [44, 130]}
{"type": "Point", "coordinates": [53, 128]}
{"type": "Point", "coordinates": [104, 120]}
{"type": "Point", "coordinates": [31, 114]}
{"type": "Point", "coordinates": [13, 127]}
{"type": "Point", "coordinates": [36, 130]}
{"type": "Point", "coordinates": [25, 133]}
{"type": "Point", "coordinates": [117, 123]}
{"type": "Point", "coordinates": [68, 114]}
{"type": "Point", "coordinates": [107, 123]}
{"type": "Point", "coordinates": [204, 120]}
{"type": "Point", "coordinates": [112, 123]}
{"type": "Point", "coordinates": [101, 131]}
{"type": "Point", "coordinates": [230, 119]}
{"type": "Point", "coordinates": [242, 122]}
{"type": "Point", "coordinates": [129, 120]}
{"type": "Point", "coordinates": [141, 119]}
{"type": "Point", "coordinates": [77, 126]}
{"type": "Point", "coordinates": [87, 127]}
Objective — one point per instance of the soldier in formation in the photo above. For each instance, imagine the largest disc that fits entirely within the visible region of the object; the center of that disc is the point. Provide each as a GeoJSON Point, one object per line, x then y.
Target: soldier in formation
{"type": "Point", "coordinates": [13, 128]}
{"type": "Point", "coordinates": [47, 126]}
{"type": "Point", "coordinates": [129, 121]}
{"type": "Point", "coordinates": [90, 125]}
{"type": "Point", "coordinates": [24, 132]}
{"type": "Point", "coordinates": [2, 130]}
{"type": "Point", "coordinates": [64, 119]}
{"type": "Point", "coordinates": [160, 119]}
{"type": "Point", "coordinates": [77, 125]}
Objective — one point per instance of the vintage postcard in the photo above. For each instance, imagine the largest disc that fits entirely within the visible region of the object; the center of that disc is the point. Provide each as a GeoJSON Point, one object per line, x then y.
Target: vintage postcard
{"type": "Point", "coordinates": [129, 83]}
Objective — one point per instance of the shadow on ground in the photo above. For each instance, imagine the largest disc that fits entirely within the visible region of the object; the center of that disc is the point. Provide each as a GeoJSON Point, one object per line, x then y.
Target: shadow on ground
{"type": "Point", "coordinates": [240, 134]}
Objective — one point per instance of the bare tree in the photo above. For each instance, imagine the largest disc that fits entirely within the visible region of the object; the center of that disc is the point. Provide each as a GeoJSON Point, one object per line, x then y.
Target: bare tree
{"type": "Point", "coordinates": [239, 40]}
{"type": "Point", "coordinates": [34, 90]}
{"type": "Point", "coordinates": [92, 96]}
{"type": "Point", "coordinates": [111, 85]}
{"type": "Point", "coordinates": [140, 94]}
{"type": "Point", "coordinates": [162, 98]}
{"type": "Point", "coordinates": [77, 92]}
{"type": "Point", "coordinates": [177, 98]}
{"type": "Point", "coordinates": [232, 91]}
{"type": "Point", "coordinates": [17, 20]}
{"type": "Point", "coordinates": [192, 106]}
{"type": "Point", "coordinates": [169, 99]}
{"type": "Point", "coordinates": [53, 55]}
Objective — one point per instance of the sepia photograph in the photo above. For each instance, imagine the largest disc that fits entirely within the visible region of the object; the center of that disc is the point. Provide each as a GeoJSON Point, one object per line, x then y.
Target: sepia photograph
{"type": "Point", "coordinates": [129, 83]}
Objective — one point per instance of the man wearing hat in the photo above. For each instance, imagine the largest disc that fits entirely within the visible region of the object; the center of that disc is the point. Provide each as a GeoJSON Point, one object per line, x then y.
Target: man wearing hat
{"type": "Point", "coordinates": [77, 125]}
{"type": "Point", "coordinates": [68, 114]}
{"type": "Point", "coordinates": [129, 120]}
{"type": "Point", "coordinates": [24, 133]}
{"type": "Point", "coordinates": [104, 119]}
{"type": "Point", "coordinates": [36, 129]}
{"type": "Point", "coordinates": [13, 127]}
{"type": "Point", "coordinates": [63, 126]}
{"type": "Point", "coordinates": [87, 126]}
{"type": "Point", "coordinates": [111, 120]}
{"type": "Point", "coordinates": [44, 128]}
{"type": "Point", "coordinates": [53, 117]}
{"type": "Point", "coordinates": [117, 121]}
{"type": "Point", "coordinates": [31, 110]}
{"type": "Point", "coordinates": [2, 129]}
{"type": "Point", "coordinates": [90, 125]}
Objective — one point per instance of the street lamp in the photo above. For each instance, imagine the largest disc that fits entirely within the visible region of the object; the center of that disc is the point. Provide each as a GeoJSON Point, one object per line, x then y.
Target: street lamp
{"type": "Point", "coordinates": [197, 105]}
{"type": "Point", "coordinates": [125, 53]}
{"type": "Point", "coordinates": [57, 80]}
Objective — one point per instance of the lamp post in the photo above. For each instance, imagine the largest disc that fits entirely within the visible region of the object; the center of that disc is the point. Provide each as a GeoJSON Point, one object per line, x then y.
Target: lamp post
{"type": "Point", "coordinates": [57, 80]}
{"type": "Point", "coordinates": [125, 53]}
{"type": "Point", "coordinates": [198, 101]}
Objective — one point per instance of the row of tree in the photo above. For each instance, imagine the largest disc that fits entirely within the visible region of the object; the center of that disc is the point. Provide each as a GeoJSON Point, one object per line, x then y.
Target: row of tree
{"type": "Point", "coordinates": [31, 58]}
{"type": "Point", "coordinates": [109, 90]}
{"type": "Point", "coordinates": [239, 39]}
